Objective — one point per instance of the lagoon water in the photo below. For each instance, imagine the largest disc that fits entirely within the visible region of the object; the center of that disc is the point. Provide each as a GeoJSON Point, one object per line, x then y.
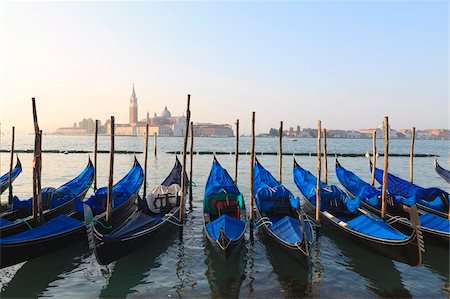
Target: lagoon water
{"type": "Point", "coordinates": [183, 265]}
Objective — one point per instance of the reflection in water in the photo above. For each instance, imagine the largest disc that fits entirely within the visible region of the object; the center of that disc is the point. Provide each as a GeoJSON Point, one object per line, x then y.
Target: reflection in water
{"type": "Point", "coordinates": [225, 278]}
{"type": "Point", "coordinates": [383, 277]}
{"type": "Point", "coordinates": [437, 259]}
{"type": "Point", "coordinates": [131, 270]}
{"type": "Point", "coordinates": [294, 278]}
{"type": "Point", "coordinates": [34, 277]}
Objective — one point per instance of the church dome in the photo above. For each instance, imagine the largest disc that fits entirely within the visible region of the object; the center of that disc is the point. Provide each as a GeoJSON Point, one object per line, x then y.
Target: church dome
{"type": "Point", "coordinates": [166, 113]}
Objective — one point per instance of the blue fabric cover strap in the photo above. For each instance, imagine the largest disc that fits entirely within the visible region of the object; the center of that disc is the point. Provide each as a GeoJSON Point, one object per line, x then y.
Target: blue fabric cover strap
{"type": "Point", "coordinates": [58, 225]}
{"type": "Point", "coordinates": [233, 228]}
{"type": "Point", "coordinates": [435, 222]}
{"type": "Point", "coordinates": [375, 228]}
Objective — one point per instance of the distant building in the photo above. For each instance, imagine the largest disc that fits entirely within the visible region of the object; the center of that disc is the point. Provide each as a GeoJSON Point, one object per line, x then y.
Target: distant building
{"type": "Point", "coordinates": [163, 125]}
{"type": "Point", "coordinates": [72, 131]}
{"type": "Point", "coordinates": [212, 130]}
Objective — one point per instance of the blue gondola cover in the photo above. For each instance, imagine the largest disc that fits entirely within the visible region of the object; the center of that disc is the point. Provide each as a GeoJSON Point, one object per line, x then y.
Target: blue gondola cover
{"type": "Point", "coordinates": [289, 229]}
{"type": "Point", "coordinates": [232, 227]}
{"type": "Point", "coordinates": [375, 228]}
{"type": "Point", "coordinates": [52, 198]}
{"type": "Point", "coordinates": [220, 181]}
{"type": "Point", "coordinates": [426, 196]}
{"type": "Point", "coordinates": [60, 224]}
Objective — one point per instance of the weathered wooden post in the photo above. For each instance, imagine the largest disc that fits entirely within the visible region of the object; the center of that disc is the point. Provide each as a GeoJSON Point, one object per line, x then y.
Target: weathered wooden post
{"type": "Point", "coordinates": [325, 164]}
{"type": "Point", "coordinates": [385, 170]}
{"type": "Point", "coordinates": [280, 152]}
{"type": "Point", "coordinates": [37, 158]}
{"type": "Point", "coordinates": [411, 155]}
{"type": "Point", "coordinates": [155, 142]}
{"type": "Point", "coordinates": [145, 161]}
{"type": "Point", "coordinates": [236, 152]}
{"type": "Point", "coordinates": [109, 197]}
{"type": "Point", "coordinates": [10, 195]}
{"type": "Point", "coordinates": [183, 166]}
{"type": "Point", "coordinates": [95, 153]}
{"type": "Point", "coordinates": [374, 155]}
{"type": "Point", "coordinates": [191, 156]}
{"type": "Point", "coordinates": [319, 170]}
{"type": "Point", "coordinates": [252, 163]}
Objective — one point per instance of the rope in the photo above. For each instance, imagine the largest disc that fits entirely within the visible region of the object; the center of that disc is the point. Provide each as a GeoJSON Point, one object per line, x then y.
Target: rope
{"type": "Point", "coordinates": [170, 215]}
{"type": "Point", "coordinates": [395, 219]}
{"type": "Point", "coordinates": [24, 221]}
{"type": "Point", "coordinates": [103, 225]}
{"type": "Point", "coordinates": [226, 246]}
{"type": "Point", "coordinates": [264, 223]}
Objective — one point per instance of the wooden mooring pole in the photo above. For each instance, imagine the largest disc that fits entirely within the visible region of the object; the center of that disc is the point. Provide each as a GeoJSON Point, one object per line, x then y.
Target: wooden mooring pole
{"type": "Point", "coordinates": [319, 170]}
{"type": "Point", "coordinates": [252, 164]}
{"type": "Point", "coordinates": [325, 163]}
{"type": "Point", "coordinates": [385, 169]}
{"type": "Point", "coordinates": [109, 197]}
{"type": "Point", "coordinates": [411, 155]}
{"type": "Point", "coordinates": [10, 195]}
{"type": "Point", "coordinates": [280, 153]}
{"type": "Point", "coordinates": [145, 161]}
{"type": "Point", "coordinates": [183, 166]}
{"type": "Point", "coordinates": [95, 153]}
{"type": "Point", "coordinates": [156, 144]}
{"type": "Point", "coordinates": [374, 156]}
{"type": "Point", "coordinates": [236, 152]}
{"type": "Point", "coordinates": [37, 166]}
{"type": "Point", "coordinates": [191, 157]}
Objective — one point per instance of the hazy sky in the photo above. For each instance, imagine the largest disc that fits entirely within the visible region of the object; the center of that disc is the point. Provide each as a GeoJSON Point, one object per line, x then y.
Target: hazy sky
{"type": "Point", "coordinates": [346, 63]}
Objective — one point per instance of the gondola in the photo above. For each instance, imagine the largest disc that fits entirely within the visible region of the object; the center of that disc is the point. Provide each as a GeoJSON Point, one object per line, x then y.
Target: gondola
{"type": "Point", "coordinates": [345, 214]}
{"type": "Point", "coordinates": [66, 230]}
{"type": "Point", "coordinates": [224, 213]}
{"type": "Point", "coordinates": [278, 212]}
{"type": "Point", "coordinates": [4, 179]}
{"type": "Point", "coordinates": [155, 216]}
{"type": "Point", "coordinates": [431, 200]}
{"type": "Point", "coordinates": [444, 173]}
{"type": "Point", "coordinates": [55, 202]}
{"type": "Point", "coordinates": [432, 226]}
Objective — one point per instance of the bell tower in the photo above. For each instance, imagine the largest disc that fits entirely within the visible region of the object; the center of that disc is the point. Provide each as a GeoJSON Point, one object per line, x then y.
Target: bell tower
{"type": "Point", "coordinates": [133, 108]}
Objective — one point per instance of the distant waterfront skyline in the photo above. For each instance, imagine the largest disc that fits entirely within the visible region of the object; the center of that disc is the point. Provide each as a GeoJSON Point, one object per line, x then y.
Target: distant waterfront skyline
{"type": "Point", "coordinates": [346, 63]}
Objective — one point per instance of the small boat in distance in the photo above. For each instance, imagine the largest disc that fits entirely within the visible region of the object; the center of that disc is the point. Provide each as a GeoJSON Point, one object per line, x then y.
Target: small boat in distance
{"type": "Point", "coordinates": [224, 213]}
{"type": "Point", "coordinates": [156, 214]}
{"type": "Point", "coordinates": [4, 179]}
{"type": "Point", "coordinates": [444, 173]}
{"type": "Point", "coordinates": [281, 217]}
{"type": "Point", "coordinates": [345, 214]}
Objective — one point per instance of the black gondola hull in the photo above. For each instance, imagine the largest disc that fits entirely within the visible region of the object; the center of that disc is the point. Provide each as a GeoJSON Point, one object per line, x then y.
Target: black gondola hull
{"type": "Point", "coordinates": [407, 251]}
{"type": "Point", "coordinates": [293, 251]}
{"type": "Point", "coordinates": [16, 252]}
{"type": "Point", "coordinates": [226, 252]}
{"type": "Point", "coordinates": [109, 252]}
{"type": "Point", "coordinates": [429, 235]}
